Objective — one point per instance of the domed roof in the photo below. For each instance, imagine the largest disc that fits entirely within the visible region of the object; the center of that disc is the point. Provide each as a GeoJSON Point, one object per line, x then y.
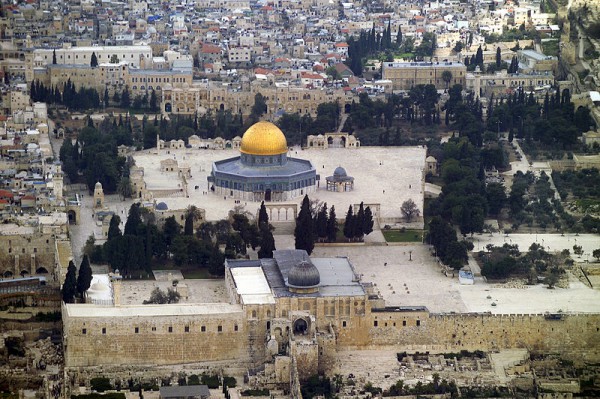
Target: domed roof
{"type": "Point", "coordinates": [161, 206]}
{"type": "Point", "coordinates": [339, 172]}
{"type": "Point", "coordinates": [98, 185]}
{"type": "Point", "coordinates": [303, 275]}
{"type": "Point", "coordinates": [99, 286]}
{"type": "Point", "coordinates": [263, 138]}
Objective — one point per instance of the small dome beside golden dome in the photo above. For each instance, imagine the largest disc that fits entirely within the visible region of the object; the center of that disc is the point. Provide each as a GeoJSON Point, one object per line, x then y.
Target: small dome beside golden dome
{"type": "Point", "coordinates": [263, 138]}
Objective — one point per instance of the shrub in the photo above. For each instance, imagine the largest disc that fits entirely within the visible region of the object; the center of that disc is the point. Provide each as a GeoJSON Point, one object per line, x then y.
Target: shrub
{"type": "Point", "coordinates": [100, 384]}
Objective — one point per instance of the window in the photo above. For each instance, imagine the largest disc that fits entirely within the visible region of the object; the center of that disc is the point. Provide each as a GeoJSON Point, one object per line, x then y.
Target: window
{"type": "Point", "coordinates": [220, 328]}
{"type": "Point", "coordinates": [375, 323]}
{"type": "Point", "coordinates": [418, 323]}
{"type": "Point", "coordinates": [235, 328]}
{"type": "Point", "coordinates": [137, 330]}
{"type": "Point", "coordinates": [186, 329]}
{"type": "Point", "coordinates": [153, 328]}
{"type": "Point", "coordinates": [203, 328]}
{"type": "Point", "coordinates": [170, 329]}
{"type": "Point", "coordinates": [103, 330]}
{"type": "Point", "coordinates": [404, 323]}
{"type": "Point", "coordinates": [344, 323]}
{"type": "Point", "coordinates": [84, 331]}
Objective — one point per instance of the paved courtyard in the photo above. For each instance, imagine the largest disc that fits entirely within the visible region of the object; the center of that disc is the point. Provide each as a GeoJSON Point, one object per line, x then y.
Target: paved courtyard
{"type": "Point", "coordinates": [382, 175]}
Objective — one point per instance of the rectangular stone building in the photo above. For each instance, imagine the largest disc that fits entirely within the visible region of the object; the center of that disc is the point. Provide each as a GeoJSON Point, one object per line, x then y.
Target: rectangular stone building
{"type": "Point", "coordinates": [405, 75]}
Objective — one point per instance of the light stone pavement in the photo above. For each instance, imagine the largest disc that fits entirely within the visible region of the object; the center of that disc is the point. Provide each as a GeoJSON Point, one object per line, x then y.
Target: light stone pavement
{"type": "Point", "coordinates": [385, 175]}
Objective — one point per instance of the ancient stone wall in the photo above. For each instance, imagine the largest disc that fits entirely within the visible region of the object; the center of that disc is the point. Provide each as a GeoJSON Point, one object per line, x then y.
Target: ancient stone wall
{"type": "Point", "coordinates": [155, 340]}
{"type": "Point", "coordinates": [576, 336]}
{"type": "Point", "coordinates": [27, 254]}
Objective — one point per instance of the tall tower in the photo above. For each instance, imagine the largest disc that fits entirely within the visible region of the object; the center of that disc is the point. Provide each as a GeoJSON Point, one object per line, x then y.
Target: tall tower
{"type": "Point", "coordinates": [98, 196]}
{"type": "Point", "coordinates": [57, 180]}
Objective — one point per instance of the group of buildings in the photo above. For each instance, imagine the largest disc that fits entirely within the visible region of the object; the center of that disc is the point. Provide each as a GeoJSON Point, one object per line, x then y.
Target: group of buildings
{"type": "Point", "coordinates": [212, 56]}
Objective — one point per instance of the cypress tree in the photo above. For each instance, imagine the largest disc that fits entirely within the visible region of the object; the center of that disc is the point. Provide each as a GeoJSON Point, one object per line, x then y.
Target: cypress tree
{"type": "Point", "coordinates": [134, 220]}
{"type": "Point", "coordinates": [54, 57]}
{"type": "Point", "coordinates": [368, 221]}
{"type": "Point", "coordinates": [69, 288]}
{"type": "Point", "coordinates": [321, 222]}
{"type": "Point", "coordinates": [94, 60]}
{"type": "Point", "coordinates": [399, 36]}
{"type": "Point", "coordinates": [304, 231]}
{"type": "Point", "coordinates": [331, 225]}
{"type": "Point", "coordinates": [267, 242]}
{"type": "Point", "coordinates": [357, 226]}
{"type": "Point", "coordinates": [84, 278]}
{"type": "Point", "coordinates": [188, 227]}
{"type": "Point", "coordinates": [263, 216]}
{"type": "Point", "coordinates": [348, 224]}
{"type": "Point", "coordinates": [498, 57]}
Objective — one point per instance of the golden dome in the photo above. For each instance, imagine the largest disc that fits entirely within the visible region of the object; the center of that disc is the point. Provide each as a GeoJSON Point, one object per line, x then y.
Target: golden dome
{"type": "Point", "coordinates": [263, 138]}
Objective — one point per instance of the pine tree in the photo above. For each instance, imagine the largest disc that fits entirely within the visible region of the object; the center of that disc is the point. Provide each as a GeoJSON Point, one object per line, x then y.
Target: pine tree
{"type": "Point", "coordinates": [84, 278]}
{"type": "Point", "coordinates": [304, 232]}
{"type": "Point", "coordinates": [105, 99]}
{"type": "Point", "coordinates": [349, 224]}
{"type": "Point", "coordinates": [69, 288]}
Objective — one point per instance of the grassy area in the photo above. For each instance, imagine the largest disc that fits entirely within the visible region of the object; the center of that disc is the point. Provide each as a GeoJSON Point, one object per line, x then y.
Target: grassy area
{"type": "Point", "coordinates": [403, 235]}
{"type": "Point", "coordinates": [550, 47]}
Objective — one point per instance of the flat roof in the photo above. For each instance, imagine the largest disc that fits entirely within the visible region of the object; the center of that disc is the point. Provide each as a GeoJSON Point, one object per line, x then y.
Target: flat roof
{"type": "Point", "coordinates": [96, 311]}
{"type": "Point", "coordinates": [423, 64]}
{"type": "Point", "coordinates": [252, 285]}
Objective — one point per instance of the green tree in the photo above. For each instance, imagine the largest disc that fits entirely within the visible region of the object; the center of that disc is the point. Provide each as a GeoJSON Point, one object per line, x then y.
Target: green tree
{"type": "Point", "coordinates": [153, 103]}
{"type": "Point", "coordinates": [125, 98]}
{"type": "Point", "coordinates": [69, 288]}
{"type": "Point", "coordinates": [259, 108]}
{"type": "Point", "coordinates": [596, 254]}
{"type": "Point", "coordinates": [332, 225]}
{"type": "Point", "coordinates": [84, 278]}
{"type": "Point", "coordinates": [496, 197]}
{"type": "Point", "coordinates": [409, 210]}
{"type": "Point", "coordinates": [321, 222]}
{"type": "Point", "coordinates": [447, 77]}
{"type": "Point", "coordinates": [54, 57]}
{"type": "Point", "coordinates": [114, 59]}
{"type": "Point", "coordinates": [192, 214]}
{"type": "Point", "coordinates": [349, 224]}
{"type": "Point", "coordinates": [267, 242]}
{"type": "Point", "coordinates": [134, 220]}
{"type": "Point", "coordinates": [304, 232]}
{"type": "Point", "coordinates": [498, 57]}
{"type": "Point", "coordinates": [263, 216]}
{"type": "Point", "coordinates": [94, 60]}
{"type": "Point", "coordinates": [368, 221]}
{"type": "Point", "coordinates": [216, 262]}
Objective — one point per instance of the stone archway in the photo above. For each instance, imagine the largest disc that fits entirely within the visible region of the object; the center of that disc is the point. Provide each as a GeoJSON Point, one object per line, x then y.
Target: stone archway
{"type": "Point", "coordinates": [72, 217]}
{"type": "Point", "coordinates": [300, 326]}
{"type": "Point", "coordinates": [347, 108]}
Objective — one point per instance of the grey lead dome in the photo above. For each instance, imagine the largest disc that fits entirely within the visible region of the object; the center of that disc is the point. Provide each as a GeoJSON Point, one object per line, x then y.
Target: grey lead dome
{"type": "Point", "coordinates": [303, 275]}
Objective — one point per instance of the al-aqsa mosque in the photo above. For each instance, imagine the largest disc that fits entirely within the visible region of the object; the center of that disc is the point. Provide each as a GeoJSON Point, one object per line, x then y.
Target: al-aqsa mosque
{"type": "Point", "coordinates": [263, 171]}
